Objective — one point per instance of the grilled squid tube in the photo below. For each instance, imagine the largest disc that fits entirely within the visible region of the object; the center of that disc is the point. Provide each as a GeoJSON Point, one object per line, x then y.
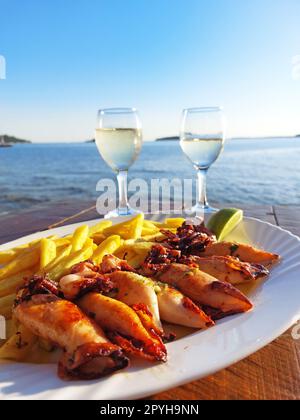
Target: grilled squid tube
{"type": "Point", "coordinates": [123, 326]}
{"type": "Point", "coordinates": [88, 354]}
{"type": "Point", "coordinates": [140, 296]}
{"type": "Point", "coordinates": [205, 289]}
{"type": "Point", "coordinates": [176, 308]}
{"type": "Point", "coordinates": [229, 269]}
{"type": "Point", "coordinates": [173, 306]}
{"type": "Point", "coordinates": [137, 291]}
{"type": "Point", "coordinates": [242, 251]}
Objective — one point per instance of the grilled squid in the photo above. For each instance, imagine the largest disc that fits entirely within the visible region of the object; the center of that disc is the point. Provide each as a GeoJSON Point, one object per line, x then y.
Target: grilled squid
{"type": "Point", "coordinates": [205, 289]}
{"type": "Point", "coordinates": [133, 289]}
{"type": "Point", "coordinates": [242, 251]}
{"type": "Point", "coordinates": [132, 328]}
{"type": "Point", "coordinates": [173, 306]}
{"type": "Point", "coordinates": [136, 290]}
{"type": "Point", "coordinates": [123, 326]}
{"type": "Point", "coordinates": [176, 308]}
{"type": "Point", "coordinates": [83, 279]}
{"type": "Point", "coordinates": [228, 269]}
{"type": "Point", "coordinates": [87, 353]}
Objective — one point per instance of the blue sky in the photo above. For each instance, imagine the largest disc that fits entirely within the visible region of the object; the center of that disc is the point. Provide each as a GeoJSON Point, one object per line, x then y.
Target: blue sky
{"type": "Point", "coordinates": [67, 58]}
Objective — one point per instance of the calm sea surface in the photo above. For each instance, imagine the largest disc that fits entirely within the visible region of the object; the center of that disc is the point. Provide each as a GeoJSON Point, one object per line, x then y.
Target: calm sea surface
{"type": "Point", "coordinates": [258, 171]}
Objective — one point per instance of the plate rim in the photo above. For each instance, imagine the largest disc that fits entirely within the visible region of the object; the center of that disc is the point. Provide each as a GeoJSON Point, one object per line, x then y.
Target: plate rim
{"type": "Point", "coordinates": [211, 369]}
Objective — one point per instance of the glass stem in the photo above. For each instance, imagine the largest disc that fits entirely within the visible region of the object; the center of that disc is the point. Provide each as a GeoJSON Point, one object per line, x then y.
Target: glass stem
{"type": "Point", "coordinates": [122, 184]}
{"type": "Point", "coordinates": [202, 200]}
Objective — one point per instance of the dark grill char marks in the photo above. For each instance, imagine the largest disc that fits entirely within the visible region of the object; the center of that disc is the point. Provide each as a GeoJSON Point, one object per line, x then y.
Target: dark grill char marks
{"type": "Point", "coordinates": [216, 314]}
{"type": "Point", "coordinates": [76, 367]}
{"type": "Point", "coordinates": [189, 238]}
{"type": "Point", "coordinates": [186, 241]}
{"type": "Point", "coordinates": [86, 278]}
{"type": "Point", "coordinates": [36, 285]}
{"type": "Point", "coordinates": [98, 284]}
{"type": "Point", "coordinates": [227, 268]}
{"type": "Point", "coordinates": [159, 258]}
{"type": "Point", "coordinates": [152, 351]}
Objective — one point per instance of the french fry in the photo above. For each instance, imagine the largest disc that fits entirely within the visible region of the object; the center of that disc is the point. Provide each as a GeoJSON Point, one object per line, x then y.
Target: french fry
{"type": "Point", "coordinates": [130, 229]}
{"type": "Point", "coordinates": [129, 242]}
{"type": "Point", "coordinates": [67, 262]}
{"type": "Point", "coordinates": [152, 238]}
{"type": "Point", "coordinates": [99, 227]}
{"type": "Point", "coordinates": [157, 224]}
{"type": "Point", "coordinates": [26, 246]}
{"type": "Point", "coordinates": [10, 284]}
{"type": "Point", "coordinates": [150, 225]}
{"type": "Point", "coordinates": [79, 237]}
{"type": "Point", "coordinates": [108, 246]}
{"type": "Point", "coordinates": [89, 242]}
{"type": "Point", "coordinates": [61, 242]}
{"type": "Point", "coordinates": [7, 256]}
{"type": "Point", "coordinates": [149, 228]}
{"type": "Point", "coordinates": [61, 254]}
{"type": "Point", "coordinates": [33, 243]}
{"type": "Point", "coordinates": [48, 252]}
{"type": "Point", "coordinates": [25, 260]}
{"type": "Point", "coordinates": [148, 231]}
{"type": "Point", "coordinates": [19, 346]}
{"type": "Point", "coordinates": [141, 248]}
{"type": "Point", "coordinates": [135, 253]}
{"type": "Point", "coordinates": [6, 305]}
{"type": "Point", "coordinates": [174, 222]}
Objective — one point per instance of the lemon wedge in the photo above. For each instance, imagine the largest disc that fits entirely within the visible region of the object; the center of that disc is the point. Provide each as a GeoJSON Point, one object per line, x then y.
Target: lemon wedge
{"type": "Point", "coordinates": [224, 221]}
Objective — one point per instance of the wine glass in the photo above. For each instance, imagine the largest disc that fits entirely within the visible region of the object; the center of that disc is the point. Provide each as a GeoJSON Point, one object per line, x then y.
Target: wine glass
{"type": "Point", "coordinates": [119, 140]}
{"type": "Point", "coordinates": [202, 140]}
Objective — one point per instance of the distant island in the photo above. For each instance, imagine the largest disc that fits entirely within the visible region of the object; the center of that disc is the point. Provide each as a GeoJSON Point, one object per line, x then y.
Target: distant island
{"type": "Point", "coordinates": [5, 139]}
{"type": "Point", "coordinates": [177, 138]}
{"type": "Point", "coordinates": [172, 138]}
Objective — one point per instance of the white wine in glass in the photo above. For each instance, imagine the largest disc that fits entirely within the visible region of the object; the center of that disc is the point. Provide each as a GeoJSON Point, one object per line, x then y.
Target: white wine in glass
{"type": "Point", "coordinates": [202, 140]}
{"type": "Point", "coordinates": [119, 147]}
{"type": "Point", "coordinates": [119, 140]}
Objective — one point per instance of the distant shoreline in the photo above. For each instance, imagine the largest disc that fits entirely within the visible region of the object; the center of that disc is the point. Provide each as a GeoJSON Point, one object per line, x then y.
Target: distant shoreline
{"type": "Point", "coordinates": [177, 138]}
{"type": "Point", "coordinates": [14, 140]}
{"type": "Point", "coordinates": [6, 139]}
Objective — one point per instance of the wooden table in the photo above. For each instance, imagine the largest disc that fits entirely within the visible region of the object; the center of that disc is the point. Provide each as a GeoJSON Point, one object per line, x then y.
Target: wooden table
{"type": "Point", "coordinates": [271, 373]}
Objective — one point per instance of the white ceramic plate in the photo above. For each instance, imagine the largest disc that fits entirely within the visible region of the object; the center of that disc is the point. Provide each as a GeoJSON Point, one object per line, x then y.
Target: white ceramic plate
{"type": "Point", "coordinates": [277, 307]}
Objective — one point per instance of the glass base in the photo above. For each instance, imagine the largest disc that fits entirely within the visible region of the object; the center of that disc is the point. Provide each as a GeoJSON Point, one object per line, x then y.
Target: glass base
{"type": "Point", "coordinates": [119, 212]}
{"type": "Point", "coordinates": [199, 211]}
